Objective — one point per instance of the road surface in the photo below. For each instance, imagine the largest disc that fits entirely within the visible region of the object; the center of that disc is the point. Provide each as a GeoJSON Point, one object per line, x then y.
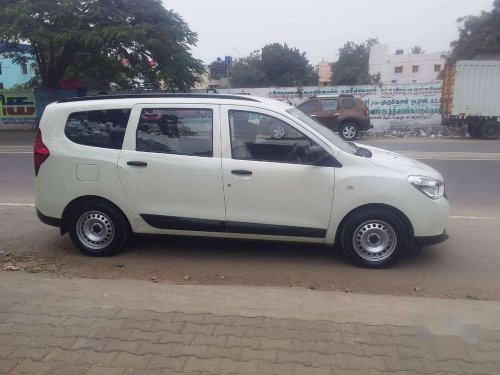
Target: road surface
{"type": "Point", "coordinates": [466, 266]}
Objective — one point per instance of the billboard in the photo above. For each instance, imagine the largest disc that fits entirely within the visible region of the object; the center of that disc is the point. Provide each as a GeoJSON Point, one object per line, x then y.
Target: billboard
{"type": "Point", "coordinates": [17, 108]}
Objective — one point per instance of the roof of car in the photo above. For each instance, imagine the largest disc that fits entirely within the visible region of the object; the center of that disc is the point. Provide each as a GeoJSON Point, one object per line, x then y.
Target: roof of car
{"type": "Point", "coordinates": [162, 95]}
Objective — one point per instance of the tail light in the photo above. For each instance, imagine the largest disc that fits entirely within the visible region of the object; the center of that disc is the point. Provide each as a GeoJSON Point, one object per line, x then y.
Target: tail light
{"type": "Point", "coordinates": [40, 152]}
{"type": "Point", "coordinates": [367, 112]}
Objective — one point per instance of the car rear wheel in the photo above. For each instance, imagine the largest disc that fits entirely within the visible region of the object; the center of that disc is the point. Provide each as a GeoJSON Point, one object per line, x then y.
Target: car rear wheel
{"type": "Point", "coordinates": [349, 131]}
{"type": "Point", "coordinates": [473, 131]}
{"type": "Point", "coordinates": [98, 228]}
{"type": "Point", "coordinates": [373, 238]}
{"type": "Point", "coordinates": [490, 129]}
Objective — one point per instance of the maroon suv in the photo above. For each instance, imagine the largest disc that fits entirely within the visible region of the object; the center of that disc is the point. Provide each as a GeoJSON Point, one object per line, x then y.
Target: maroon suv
{"type": "Point", "coordinates": [344, 114]}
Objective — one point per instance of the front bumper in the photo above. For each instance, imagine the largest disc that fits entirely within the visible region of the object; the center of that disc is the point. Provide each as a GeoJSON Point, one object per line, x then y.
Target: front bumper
{"type": "Point", "coordinates": [431, 240]}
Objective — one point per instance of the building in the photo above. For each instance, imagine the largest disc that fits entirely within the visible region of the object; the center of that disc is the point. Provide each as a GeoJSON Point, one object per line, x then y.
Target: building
{"type": "Point", "coordinates": [405, 68]}
{"type": "Point", "coordinates": [12, 74]}
{"type": "Point", "coordinates": [325, 73]}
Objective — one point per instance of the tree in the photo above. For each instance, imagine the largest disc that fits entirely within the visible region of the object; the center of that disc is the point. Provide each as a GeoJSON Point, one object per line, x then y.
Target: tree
{"type": "Point", "coordinates": [284, 66]}
{"type": "Point", "coordinates": [351, 68]}
{"type": "Point", "coordinates": [106, 43]}
{"type": "Point", "coordinates": [477, 35]}
{"type": "Point", "coordinates": [274, 65]}
{"type": "Point", "coordinates": [417, 50]}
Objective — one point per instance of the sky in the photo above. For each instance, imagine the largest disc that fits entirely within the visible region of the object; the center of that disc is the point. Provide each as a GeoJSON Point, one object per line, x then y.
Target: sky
{"type": "Point", "coordinates": [321, 27]}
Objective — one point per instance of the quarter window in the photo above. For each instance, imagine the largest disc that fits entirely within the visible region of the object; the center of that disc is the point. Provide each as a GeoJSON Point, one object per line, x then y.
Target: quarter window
{"type": "Point", "coordinates": [105, 128]}
{"type": "Point", "coordinates": [176, 131]}
{"type": "Point", "coordinates": [308, 107]}
{"type": "Point", "coordinates": [329, 105]}
{"type": "Point", "coordinates": [255, 136]}
{"type": "Point", "coordinates": [348, 103]}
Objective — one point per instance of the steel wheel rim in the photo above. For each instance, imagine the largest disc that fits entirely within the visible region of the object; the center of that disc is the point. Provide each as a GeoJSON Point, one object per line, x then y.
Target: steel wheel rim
{"type": "Point", "coordinates": [95, 230]}
{"type": "Point", "coordinates": [349, 131]}
{"type": "Point", "coordinates": [375, 240]}
{"type": "Point", "coordinates": [278, 132]}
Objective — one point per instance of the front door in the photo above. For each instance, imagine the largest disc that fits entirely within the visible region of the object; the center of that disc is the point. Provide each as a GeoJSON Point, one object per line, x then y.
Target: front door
{"type": "Point", "coordinates": [329, 113]}
{"type": "Point", "coordinates": [170, 167]}
{"type": "Point", "coordinates": [269, 190]}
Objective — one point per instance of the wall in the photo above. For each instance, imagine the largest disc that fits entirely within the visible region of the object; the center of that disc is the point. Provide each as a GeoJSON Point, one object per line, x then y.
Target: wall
{"type": "Point", "coordinates": [12, 73]}
{"type": "Point", "coordinates": [383, 63]}
{"type": "Point", "coordinates": [414, 105]}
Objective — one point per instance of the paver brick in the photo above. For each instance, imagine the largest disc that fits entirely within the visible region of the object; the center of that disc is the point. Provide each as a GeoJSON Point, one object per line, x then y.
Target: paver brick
{"type": "Point", "coordinates": [143, 325]}
{"type": "Point", "coordinates": [221, 330]}
{"type": "Point", "coordinates": [306, 370]}
{"type": "Point", "coordinates": [61, 355]}
{"type": "Point", "coordinates": [100, 358]}
{"type": "Point", "coordinates": [407, 364]}
{"type": "Point", "coordinates": [100, 370]}
{"type": "Point", "coordinates": [219, 352]}
{"type": "Point", "coordinates": [275, 368]}
{"type": "Point", "coordinates": [132, 361]}
{"type": "Point", "coordinates": [383, 350]}
{"type": "Point", "coordinates": [108, 323]}
{"type": "Point", "coordinates": [294, 357]}
{"type": "Point", "coordinates": [151, 348]}
{"type": "Point", "coordinates": [79, 321]}
{"type": "Point", "coordinates": [158, 361]}
{"type": "Point", "coordinates": [211, 365]}
{"type": "Point", "coordinates": [177, 338]}
{"type": "Point", "coordinates": [30, 367]}
{"type": "Point", "coordinates": [193, 318]}
{"type": "Point", "coordinates": [85, 343]}
{"type": "Point", "coordinates": [7, 350]}
{"type": "Point", "coordinates": [321, 360]}
{"type": "Point", "coordinates": [122, 346]}
{"type": "Point", "coordinates": [362, 362]}
{"type": "Point", "coordinates": [113, 333]}
{"type": "Point", "coordinates": [266, 355]}
{"type": "Point", "coordinates": [231, 366]}
{"type": "Point", "coordinates": [204, 329]}
{"type": "Point", "coordinates": [67, 369]}
{"type": "Point", "coordinates": [7, 364]}
{"type": "Point", "coordinates": [36, 354]}
{"type": "Point", "coordinates": [210, 340]}
{"type": "Point", "coordinates": [189, 350]}
{"type": "Point", "coordinates": [175, 327]}
{"type": "Point", "coordinates": [248, 342]}
{"type": "Point", "coordinates": [144, 336]}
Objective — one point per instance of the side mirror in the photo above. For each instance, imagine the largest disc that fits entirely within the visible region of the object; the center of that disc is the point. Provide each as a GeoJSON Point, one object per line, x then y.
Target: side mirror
{"type": "Point", "coordinates": [317, 155]}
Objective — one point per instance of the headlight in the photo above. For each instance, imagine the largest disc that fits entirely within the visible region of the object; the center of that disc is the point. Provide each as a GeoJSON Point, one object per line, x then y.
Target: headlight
{"type": "Point", "coordinates": [429, 186]}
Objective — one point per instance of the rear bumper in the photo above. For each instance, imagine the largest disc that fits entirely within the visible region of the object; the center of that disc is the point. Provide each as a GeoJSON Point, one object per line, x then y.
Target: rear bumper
{"type": "Point", "coordinates": [52, 221]}
{"type": "Point", "coordinates": [431, 240]}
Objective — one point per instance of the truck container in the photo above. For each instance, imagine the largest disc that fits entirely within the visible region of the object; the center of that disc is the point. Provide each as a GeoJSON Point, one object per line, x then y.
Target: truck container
{"type": "Point", "coordinates": [471, 97]}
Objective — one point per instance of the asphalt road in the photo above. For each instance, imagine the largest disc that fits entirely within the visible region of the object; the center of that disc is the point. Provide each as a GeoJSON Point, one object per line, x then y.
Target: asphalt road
{"type": "Point", "coordinates": [467, 265]}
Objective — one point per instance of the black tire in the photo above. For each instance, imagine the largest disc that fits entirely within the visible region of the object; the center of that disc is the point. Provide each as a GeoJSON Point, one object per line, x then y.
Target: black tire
{"type": "Point", "coordinates": [473, 131]}
{"type": "Point", "coordinates": [362, 226]}
{"type": "Point", "coordinates": [349, 131]}
{"type": "Point", "coordinates": [98, 213]}
{"type": "Point", "coordinates": [489, 130]}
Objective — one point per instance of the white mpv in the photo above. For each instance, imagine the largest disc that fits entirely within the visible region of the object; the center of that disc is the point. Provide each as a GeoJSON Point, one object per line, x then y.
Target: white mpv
{"type": "Point", "coordinates": [227, 166]}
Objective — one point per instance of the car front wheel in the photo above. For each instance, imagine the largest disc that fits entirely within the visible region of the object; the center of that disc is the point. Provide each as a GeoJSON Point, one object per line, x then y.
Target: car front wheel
{"type": "Point", "coordinates": [373, 238]}
{"type": "Point", "coordinates": [98, 228]}
{"type": "Point", "coordinates": [349, 131]}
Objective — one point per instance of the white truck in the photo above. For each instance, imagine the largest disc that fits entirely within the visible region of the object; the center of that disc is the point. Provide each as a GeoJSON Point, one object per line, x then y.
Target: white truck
{"type": "Point", "coordinates": [471, 97]}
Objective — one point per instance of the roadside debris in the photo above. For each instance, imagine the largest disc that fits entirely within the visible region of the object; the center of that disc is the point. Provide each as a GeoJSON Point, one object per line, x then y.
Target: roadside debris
{"type": "Point", "coordinates": [10, 267]}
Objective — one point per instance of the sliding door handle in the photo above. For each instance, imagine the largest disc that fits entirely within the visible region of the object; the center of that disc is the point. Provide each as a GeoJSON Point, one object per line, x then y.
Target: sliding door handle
{"type": "Point", "coordinates": [241, 172]}
{"type": "Point", "coordinates": [137, 163]}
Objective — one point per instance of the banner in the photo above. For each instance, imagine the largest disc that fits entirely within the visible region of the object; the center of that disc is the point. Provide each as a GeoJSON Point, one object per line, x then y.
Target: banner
{"type": "Point", "coordinates": [415, 105]}
{"type": "Point", "coordinates": [17, 108]}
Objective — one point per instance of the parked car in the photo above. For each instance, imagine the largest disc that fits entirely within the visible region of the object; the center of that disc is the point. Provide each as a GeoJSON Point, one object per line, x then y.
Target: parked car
{"type": "Point", "coordinates": [207, 165]}
{"type": "Point", "coordinates": [344, 114]}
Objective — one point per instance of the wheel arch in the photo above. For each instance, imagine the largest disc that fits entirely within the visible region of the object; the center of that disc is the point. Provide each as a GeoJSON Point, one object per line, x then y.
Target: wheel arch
{"type": "Point", "coordinates": [352, 120]}
{"type": "Point", "coordinates": [77, 201]}
{"type": "Point", "coordinates": [404, 219]}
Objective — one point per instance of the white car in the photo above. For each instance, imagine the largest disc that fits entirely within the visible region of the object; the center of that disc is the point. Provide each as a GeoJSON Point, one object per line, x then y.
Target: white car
{"type": "Point", "coordinates": [207, 165]}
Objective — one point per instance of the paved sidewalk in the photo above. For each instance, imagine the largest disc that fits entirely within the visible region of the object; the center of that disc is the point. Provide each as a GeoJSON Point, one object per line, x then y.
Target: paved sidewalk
{"type": "Point", "coordinates": [79, 326]}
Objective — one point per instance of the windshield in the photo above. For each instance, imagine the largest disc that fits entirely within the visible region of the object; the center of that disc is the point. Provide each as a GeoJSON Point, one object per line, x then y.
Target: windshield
{"type": "Point", "coordinates": [323, 130]}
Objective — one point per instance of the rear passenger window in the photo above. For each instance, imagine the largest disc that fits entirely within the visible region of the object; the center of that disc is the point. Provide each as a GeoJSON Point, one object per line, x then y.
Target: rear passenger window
{"type": "Point", "coordinates": [176, 131]}
{"type": "Point", "coordinates": [348, 103]}
{"type": "Point", "coordinates": [329, 105]}
{"type": "Point", "coordinates": [105, 128]}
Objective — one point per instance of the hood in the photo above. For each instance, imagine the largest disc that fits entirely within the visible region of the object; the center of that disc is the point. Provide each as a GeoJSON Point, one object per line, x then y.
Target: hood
{"type": "Point", "coordinates": [400, 163]}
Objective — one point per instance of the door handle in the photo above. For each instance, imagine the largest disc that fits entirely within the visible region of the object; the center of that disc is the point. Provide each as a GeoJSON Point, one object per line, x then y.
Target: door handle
{"type": "Point", "coordinates": [312, 115]}
{"type": "Point", "coordinates": [241, 172]}
{"type": "Point", "coordinates": [137, 163]}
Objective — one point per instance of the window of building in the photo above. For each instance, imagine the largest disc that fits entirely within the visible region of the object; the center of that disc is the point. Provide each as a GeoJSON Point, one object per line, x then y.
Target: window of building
{"type": "Point", "coordinates": [399, 52]}
{"type": "Point", "coordinates": [255, 136]}
{"type": "Point", "coordinates": [329, 105]}
{"type": "Point", "coordinates": [414, 81]}
{"type": "Point", "coordinates": [0, 68]}
{"type": "Point", "coordinates": [176, 131]}
{"type": "Point", "coordinates": [348, 103]}
{"type": "Point", "coordinates": [105, 128]}
{"type": "Point", "coordinates": [24, 68]}
{"type": "Point", "coordinates": [394, 81]}
{"type": "Point", "coordinates": [437, 68]}
{"type": "Point", "coordinates": [308, 107]}
{"type": "Point", "coordinates": [1, 86]}
{"type": "Point", "coordinates": [398, 69]}
{"type": "Point", "coordinates": [414, 69]}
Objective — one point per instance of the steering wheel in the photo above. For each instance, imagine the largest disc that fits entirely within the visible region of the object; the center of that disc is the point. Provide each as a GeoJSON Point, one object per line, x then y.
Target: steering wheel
{"type": "Point", "coordinates": [293, 155]}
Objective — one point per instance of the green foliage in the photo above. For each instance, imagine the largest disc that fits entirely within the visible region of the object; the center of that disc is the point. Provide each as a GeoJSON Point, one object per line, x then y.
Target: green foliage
{"type": "Point", "coordinates": [477, 35]}
{"type": "Point", "coordinates": [91, 39]}
{"type": "Point", "coordinates": [417, 50]}
{"type": "Point", "coordinates": [351, 67]}
{"type": "Point", "coordinates": [275, 65]}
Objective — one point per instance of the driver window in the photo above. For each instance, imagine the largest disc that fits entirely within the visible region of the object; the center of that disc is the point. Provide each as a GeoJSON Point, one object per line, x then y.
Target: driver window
{"type": "Point", "coordinates": [255, 136]}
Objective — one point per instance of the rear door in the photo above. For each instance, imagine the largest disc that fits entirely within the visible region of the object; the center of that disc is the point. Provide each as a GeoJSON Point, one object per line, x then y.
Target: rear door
{"type": "Point", "coordinates": [170, 166]}
{"type": "Point", "coordinates": [329, 113]}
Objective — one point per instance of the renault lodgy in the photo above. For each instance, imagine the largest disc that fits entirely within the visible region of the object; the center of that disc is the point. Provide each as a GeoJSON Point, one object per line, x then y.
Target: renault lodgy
{"type": "Point", "coordinates": [208, 165]}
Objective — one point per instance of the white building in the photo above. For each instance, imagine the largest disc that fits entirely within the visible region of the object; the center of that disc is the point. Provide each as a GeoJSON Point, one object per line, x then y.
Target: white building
{"type": "Point", "coordinates": [325, 73]}
{"type": "Point", "coordinates": [405, 68]}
